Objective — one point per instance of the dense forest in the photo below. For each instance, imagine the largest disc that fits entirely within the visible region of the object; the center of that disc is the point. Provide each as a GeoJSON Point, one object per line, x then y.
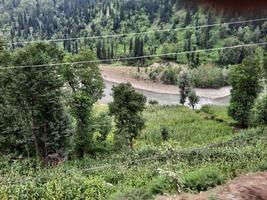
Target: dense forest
{"type": "Point", "coordinates": [25, 20]}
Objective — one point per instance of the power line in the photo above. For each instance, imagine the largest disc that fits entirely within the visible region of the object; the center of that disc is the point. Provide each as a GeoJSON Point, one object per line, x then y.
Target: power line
{"type": "Point", "coordinates": [141, 33]}
{"type": "Point", "coordinates": [132, 58]}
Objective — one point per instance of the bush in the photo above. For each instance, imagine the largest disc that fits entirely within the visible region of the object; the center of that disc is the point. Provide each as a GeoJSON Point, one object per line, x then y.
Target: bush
{"type": "Point", "coordinates": [170, 76]}
{"type": "Point", "coordinates": [262, 167]}
{"type": "Point", "coordinates": [203, 179]}
{"type": "Point", "coordinates": [153, 102]}
{"type": "Point", "coordinates": [164, 134]}
{"type": "Point", "coordinates": [161, 185]}
{"type": "Point", "coordinates": [103, 124]}
{"type": "Point", "coordinates": [133, 194]}
{"type": "Point", "coordinates": [258, 114]}
{"type": "Point", "coordinates": [207, 76]}
{"type": "Point", "coordinates": [207, 109]}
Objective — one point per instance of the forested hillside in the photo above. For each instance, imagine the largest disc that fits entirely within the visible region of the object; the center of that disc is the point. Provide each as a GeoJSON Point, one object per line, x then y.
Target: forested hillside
{"type": "Point", "coordinates": [22, 20]}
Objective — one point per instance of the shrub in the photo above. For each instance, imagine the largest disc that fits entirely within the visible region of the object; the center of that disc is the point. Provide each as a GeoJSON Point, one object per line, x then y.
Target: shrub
{"type": "Point", "coordinates": [132, 194]}
{"type": "Point", "coordinates": [164, 134]}
{"type": "Point", "coordinates": [203, 179]}
{"type": "Point", "coordinates": [193, 99]}
{"type": "Point", "coordinates": [103, 124]}
{"type": "Point", "coordinates": [161, 185]}
{"type": "Point", "coordinates": [207, 76]}
{"type": "Point", "coordinates": [258, 114]}
{"type": "Point", "coordinates": [207, 109]}
{"type": "Point", "coordinates": [262, 167]}
{"type": "Point", "coordinates": [170, 76]}
{"type": "Point", "coordinates": [153, 102]}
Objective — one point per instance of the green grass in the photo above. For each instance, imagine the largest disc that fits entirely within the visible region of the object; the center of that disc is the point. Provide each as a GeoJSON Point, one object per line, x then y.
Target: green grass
{"type": "Point", "coordinates": [123, 177]}
{"type": "Point", "coordinates": [185, 126]}
{"type": "Point", "coordinates": [219, 113]}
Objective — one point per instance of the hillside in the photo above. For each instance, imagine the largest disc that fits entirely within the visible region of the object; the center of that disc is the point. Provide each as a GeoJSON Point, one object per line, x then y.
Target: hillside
{"type": "Point", "coordinates": [23, 20]}
{"type": "Point", "coordinates": [192, 159]}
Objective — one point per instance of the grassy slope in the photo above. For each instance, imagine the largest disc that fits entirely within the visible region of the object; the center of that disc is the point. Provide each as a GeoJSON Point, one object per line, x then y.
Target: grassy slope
{"type": "Point", "coordinates": [199, 169]}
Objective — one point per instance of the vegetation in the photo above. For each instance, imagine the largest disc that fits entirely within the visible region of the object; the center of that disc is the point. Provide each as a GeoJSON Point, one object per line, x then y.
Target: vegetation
{"type": "Point", "coordinates": [245, 80]}
{"type": "Point", "coordinates": [184, 86]}
{"type": "Point", "coordinates": [193, 99]}
{"type": "Point", "coordinates": [259, 111]}
{"type": "Point", "coordinates": [219, 157]}
{"type": "Point", "coordinates": [37, 121]}
{"type": "Point", "coordinates": [207, 76]}
{"type": "Point", "coordinates": [86, 85]}
{"type": "Point", "coordinates": [56, 142]}
{"type": "Point", "coordinates": [127, 108]}
{"type": "Point", "coordinates": [35, 20]}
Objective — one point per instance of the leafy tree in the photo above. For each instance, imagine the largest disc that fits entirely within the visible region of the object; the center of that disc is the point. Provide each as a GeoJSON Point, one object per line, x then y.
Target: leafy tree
{"type": "Point", "coordinates": [245, 81]}
{"type": "Point", "coordinates": [235, 55]}
{"type": "Point", "coordinates": [193, 99]}
{"type": "Point", "coordinates": [86, 87]}
{"type": "Point", "coordinates": [39, 123]}
{"type": "Point", "coordinates": [184, 85]}
{"type": "Point", "coordinates": [127, 109]}
{"type": "Point", "coordinates": [258, 114]}
{"type": "Point", "coordinates": [103, 125]}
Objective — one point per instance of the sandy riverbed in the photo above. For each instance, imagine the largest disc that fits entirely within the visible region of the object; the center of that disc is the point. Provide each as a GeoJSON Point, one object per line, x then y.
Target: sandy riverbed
{"type": "Point", "coordinates": [123, 74]}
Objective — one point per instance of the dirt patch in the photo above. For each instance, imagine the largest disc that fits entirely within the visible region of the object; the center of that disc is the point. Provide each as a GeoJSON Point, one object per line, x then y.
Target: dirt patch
{"type": "Point", "coordinates": [124, 74]}
{"type": "Point", "coordinates": [249, 187]}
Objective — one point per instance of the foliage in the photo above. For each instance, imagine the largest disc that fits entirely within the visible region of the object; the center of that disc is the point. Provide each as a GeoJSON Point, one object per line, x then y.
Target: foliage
{"type": "Point", "coordinates": [184, 86]}
{"type": "Point", "coordinates": [133, 194]}
{"type": "Point", "coordinates": [245, 81]}
{"type": "Point", "coordinates": [169, 76]}
{"type": "Point", "coordinates": [234, 56]}
{"type": "Point", "coordinates": [164, 134]}
{"type": "Point", "coordinates": [217, 113]}
{"type": "Point", "coordinates": [193, 99]}
{"type": "Point", "coordinates": [259, 111]}
{"type": "Point", "coordinates": [203, 179]}
{"type": "Point", "coordinates": [216, 159]}
{"type": "Point", "coordinates": [103, 125]}
{"type": "Point", "coordinates": [162, 185]}
{"type": "Point", "coordinates": [37, 123]}
{"type": "Point", "coordinates": [185, 126]}
{"type": "Point", "coordinates": [127, 109]}
{"type": "Point", "coordinates": [86, 87]}
{"type": "Point", "coordinates": [54, 19]}
{"type": "Point", "coordinates": [207, 76]}
{"type": "Point", "coordinates": [153, 102]}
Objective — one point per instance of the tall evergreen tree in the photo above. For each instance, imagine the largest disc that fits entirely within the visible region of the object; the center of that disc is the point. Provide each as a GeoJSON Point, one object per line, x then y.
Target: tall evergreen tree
{"type": "Point", "coordinates": [35, 94]}
{"type": "Point", "coordinates": [245, 81]}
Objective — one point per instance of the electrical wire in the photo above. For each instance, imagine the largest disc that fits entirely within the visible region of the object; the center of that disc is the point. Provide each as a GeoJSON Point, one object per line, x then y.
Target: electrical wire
{"type": "Point", "coordinates": [141, 33]}
{"type": "Point", "coordinates": [131, 58]}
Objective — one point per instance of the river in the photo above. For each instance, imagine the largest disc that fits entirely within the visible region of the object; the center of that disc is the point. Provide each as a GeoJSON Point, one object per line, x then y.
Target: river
{"type": "Point", "coordinates": [163, 99]}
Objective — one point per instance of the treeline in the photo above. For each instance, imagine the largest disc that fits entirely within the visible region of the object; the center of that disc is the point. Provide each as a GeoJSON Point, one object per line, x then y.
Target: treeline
{"type": "Point", "coordinates": [29, 20]}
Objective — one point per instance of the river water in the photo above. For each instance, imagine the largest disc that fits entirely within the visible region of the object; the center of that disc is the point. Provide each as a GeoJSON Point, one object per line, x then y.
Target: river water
{"type": "Point", "coordinates": [163, 99]}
